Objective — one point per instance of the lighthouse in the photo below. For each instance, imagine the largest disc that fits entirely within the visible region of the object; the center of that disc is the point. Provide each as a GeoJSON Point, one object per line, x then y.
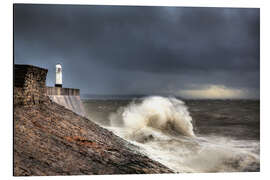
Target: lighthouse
{"type": "Point", "coordinates": [58, 75]}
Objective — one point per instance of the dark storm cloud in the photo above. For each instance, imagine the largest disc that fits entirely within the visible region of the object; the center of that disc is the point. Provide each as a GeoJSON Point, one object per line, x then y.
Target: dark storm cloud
{"type": "Point", "coordinates": [116, 50]}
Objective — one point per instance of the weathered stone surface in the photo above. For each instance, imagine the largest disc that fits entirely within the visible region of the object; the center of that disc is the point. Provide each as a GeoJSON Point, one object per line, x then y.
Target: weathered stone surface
{"type": "Point", "coordinates": [29, 85]}
{"type": "Point", "coordinates": [52, 140]}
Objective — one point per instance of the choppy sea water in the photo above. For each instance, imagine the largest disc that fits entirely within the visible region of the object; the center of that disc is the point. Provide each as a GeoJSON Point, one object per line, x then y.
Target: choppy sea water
{"type": "Point", "coordinates": [190, 136]}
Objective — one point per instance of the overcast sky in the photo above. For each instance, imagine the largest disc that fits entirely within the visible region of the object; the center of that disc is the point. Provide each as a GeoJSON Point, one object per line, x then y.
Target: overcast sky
{"type": "Point", "coordinates": [188, 52]}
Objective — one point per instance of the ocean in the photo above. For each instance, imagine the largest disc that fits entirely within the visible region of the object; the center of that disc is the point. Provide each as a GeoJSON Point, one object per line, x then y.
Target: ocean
{"type": "Point", "coordinates": [186, 136]}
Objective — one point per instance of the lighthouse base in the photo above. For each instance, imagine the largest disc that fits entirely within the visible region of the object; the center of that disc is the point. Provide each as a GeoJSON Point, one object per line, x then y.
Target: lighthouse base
{"type": "Point", "coordinates": [58, 85]}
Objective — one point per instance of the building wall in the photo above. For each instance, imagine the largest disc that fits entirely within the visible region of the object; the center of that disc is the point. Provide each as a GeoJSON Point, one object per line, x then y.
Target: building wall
{"type": "Point", "coordinates": [29, 85]}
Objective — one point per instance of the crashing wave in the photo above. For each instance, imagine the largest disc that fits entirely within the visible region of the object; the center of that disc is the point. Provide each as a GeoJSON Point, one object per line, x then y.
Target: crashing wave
{"type": "Point", "coordinates": [153, 116]}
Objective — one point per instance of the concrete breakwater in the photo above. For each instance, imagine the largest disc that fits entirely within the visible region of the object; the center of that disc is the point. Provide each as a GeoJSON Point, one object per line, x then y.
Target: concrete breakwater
{"type": "Point", "coordinates": [67, 97]}
{"type": "Point", "coordinates": [72, 103]}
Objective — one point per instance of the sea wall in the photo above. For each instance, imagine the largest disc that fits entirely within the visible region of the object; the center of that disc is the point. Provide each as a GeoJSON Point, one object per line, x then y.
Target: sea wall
{"type": "Point", "coordinates": [50, 140]}
{"type": "Point", "coordinates": [70, 102]}
{"type": "Point", "coordinates": [68, 97]}
{"type": "Point", "coordinates": [29, 85]}
{"type": "Point", "coordinates": [30, 89]}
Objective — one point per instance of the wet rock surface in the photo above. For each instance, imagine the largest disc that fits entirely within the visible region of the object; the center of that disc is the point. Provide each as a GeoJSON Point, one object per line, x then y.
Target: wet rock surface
{"type": "Point", "coordinates": [52, 140]}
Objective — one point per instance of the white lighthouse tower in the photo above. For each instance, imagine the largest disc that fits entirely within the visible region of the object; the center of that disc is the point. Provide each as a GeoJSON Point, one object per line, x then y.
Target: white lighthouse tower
{"type": "Point", "coordinates": [58, 75]}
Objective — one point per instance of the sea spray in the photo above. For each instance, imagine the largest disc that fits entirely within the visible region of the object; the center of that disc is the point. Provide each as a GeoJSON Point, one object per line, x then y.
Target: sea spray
{"type": "Point", "coordinates": [162, 128]}
{"type": "Point", "coordinates": [153, 116]}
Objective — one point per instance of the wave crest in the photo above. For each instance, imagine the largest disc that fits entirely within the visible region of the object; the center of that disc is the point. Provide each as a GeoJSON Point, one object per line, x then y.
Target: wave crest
{"type": "Point", "coordinates": [153, 115]}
